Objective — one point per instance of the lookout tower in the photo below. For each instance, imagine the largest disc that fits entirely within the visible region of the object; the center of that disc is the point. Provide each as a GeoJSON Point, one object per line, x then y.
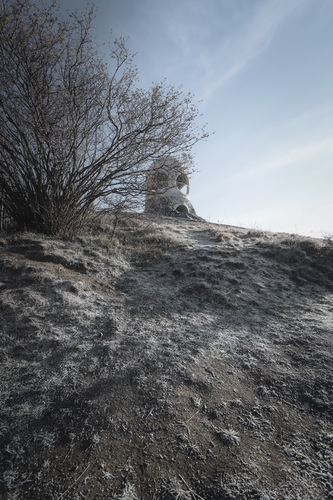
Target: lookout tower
{"type": "Point", "coordinates": [168, 189]}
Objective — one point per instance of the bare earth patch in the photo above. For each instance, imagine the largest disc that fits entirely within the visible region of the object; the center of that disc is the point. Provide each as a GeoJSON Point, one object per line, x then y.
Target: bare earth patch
{"type": "Point", "coordinates": [181, 360]}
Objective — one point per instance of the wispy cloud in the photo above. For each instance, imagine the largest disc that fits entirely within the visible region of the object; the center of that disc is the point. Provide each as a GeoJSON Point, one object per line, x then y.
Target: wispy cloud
{"type": "Point", "coordinates": [314, 153]}
{"type": "Point", "coordinates": [245, 44]}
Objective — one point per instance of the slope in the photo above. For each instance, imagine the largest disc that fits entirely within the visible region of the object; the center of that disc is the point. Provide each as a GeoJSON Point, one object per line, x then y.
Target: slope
{"type": "Point", "coordinates": [181, 360]}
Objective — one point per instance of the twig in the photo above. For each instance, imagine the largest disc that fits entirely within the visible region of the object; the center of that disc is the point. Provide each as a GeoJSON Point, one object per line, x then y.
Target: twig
{"type": "Point", "coordinates": [151, 411]}
{"type": "Point", "coordinates": [23, 482]}
{"type": "Point", "coordinates": [76, 480]}
{"type": "Point", "coordinates": [190, 489]}
{"type": "Point", "coordinates": [194, 414]}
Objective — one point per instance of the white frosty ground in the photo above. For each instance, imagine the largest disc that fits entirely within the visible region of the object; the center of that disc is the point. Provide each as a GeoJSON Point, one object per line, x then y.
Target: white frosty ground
{"type": "Point", "coordinates": [182, 358]}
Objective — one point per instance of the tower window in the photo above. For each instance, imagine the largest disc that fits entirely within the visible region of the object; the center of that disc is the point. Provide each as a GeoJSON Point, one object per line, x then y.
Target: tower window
{"type": "Point", "coordinates": [159, 180]}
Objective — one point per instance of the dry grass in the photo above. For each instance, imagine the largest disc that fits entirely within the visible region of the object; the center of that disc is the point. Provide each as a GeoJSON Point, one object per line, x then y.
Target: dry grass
{"type": "Point", "coordinates": [177, 360]}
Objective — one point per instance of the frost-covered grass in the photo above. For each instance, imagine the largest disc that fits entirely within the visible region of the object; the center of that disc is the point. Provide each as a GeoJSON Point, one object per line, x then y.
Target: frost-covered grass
{"type": "Point", "coordinates": [176, 360]}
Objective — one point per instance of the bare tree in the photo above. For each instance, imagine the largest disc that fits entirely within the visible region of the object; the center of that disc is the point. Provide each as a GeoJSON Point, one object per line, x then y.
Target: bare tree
{"type": "Point", "coordinates": [73, 127]}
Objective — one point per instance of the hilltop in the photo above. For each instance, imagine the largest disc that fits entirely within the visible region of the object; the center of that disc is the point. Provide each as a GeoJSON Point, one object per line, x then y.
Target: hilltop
{"type": "Point", "coordinates": [173, 360]}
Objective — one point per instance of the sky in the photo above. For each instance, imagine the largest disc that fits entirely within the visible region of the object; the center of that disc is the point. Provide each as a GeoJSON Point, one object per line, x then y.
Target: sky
{"type": "Point", "coordinates": [262, 72]}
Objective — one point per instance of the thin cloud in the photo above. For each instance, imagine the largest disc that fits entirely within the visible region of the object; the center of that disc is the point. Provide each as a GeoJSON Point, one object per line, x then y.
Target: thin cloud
{"type": "Point", "coordinates": [313, 152]}
{"type": "Point", "coordinates": [253, 38]}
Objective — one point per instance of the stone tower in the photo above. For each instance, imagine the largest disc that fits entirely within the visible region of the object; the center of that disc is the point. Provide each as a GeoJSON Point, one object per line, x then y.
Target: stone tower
{"type": "Point", "coordinates": [168, 189]}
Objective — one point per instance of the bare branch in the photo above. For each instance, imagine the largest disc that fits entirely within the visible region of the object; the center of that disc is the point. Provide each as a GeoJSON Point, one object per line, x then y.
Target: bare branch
{"type": "Point", "coordinates": [74, 129]}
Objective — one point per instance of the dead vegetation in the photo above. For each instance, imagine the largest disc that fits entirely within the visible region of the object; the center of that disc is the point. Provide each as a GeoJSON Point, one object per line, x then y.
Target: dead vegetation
{"type": "Point", "coordinates": [170, 360]}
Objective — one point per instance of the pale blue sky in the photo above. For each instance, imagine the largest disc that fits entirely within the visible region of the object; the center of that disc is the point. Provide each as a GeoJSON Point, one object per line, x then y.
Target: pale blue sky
{"type": "Point", "coordinates": [263, 70]}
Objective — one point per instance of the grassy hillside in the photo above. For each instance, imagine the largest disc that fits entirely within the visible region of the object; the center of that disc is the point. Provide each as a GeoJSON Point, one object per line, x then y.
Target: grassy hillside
{"type": "Point", "coordinates": [181, 360]}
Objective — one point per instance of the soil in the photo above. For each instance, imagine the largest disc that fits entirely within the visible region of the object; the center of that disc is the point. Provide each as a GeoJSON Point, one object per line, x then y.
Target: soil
{"type": "Point", "coordinates": [193, 364]}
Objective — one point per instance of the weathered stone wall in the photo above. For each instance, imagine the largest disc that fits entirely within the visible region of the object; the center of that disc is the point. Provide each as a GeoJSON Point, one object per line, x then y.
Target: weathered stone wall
{"type": "Point", "coordinates": [168, 205]}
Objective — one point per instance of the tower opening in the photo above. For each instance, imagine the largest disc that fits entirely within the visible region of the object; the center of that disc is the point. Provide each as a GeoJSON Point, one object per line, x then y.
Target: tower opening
{"type": "Point", "coordinates": [182, 183]}
{"type": "Point", "coordinates": [182, 209]}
